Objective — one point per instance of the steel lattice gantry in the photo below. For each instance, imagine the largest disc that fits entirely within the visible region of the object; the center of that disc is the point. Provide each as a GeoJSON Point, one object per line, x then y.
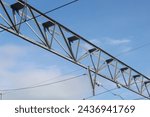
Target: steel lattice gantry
{"type": "Point", "coordinates": [28, 23]}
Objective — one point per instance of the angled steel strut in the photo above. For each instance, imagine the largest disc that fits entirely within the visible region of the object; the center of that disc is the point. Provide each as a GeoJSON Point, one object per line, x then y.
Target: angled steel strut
{"type": "Point", "coordinates": [21, 19]}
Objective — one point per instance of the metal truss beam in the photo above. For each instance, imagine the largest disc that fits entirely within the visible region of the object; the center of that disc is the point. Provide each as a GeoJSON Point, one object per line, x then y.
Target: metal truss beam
{"type": "Point", "coordinates": [21, 20]}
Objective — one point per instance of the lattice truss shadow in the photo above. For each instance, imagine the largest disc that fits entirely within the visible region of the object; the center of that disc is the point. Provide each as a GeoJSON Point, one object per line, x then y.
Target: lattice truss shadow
{"type": "Point", "coordinates": [26, 22]}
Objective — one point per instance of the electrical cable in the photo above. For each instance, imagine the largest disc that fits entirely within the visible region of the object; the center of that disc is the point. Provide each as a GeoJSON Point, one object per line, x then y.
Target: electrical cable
{"type": "Point", "coordinates": [52, 78]}
{"type": "Point", "coordinates": [107, 90]}
{"type": "Point", "coordinates": [57, 76]}
{"type": "Point", "coordinates": [113, 93]}
{"type": "Point", "coordinates": [139, 98]}
{"type": "Point", "coordinates": [59, 7]}
{"type": "Point", "coordinates": [134, 49]}
{"type": "Point", "coordinates": [100, 93]}
{"type": "Point", "coordinates": [64, 5]}
{"type": "Point", "coordinates": [47, 84]}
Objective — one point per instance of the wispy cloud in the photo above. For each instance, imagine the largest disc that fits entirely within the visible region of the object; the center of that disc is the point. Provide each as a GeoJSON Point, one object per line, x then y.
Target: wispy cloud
{"type": "Point", "coordinates": [118, 42]}
{"type": "Point", "coordinates": [115, 45]}
{"type": "Point", "coordinates": [122, 41]}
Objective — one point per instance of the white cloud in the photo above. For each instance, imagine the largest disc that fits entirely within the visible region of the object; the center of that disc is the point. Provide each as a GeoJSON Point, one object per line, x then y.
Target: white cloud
{"type": "Point", "coordinates": [118, 41]}
{"type": "Point", "coordinates": [15, 73]}
{"type": "Point", "coordinates": [112, 41]}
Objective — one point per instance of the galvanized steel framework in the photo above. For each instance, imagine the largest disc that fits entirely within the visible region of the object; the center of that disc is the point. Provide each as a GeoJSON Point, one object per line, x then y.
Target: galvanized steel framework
{"type": "Point", "coordinates": [28, 23]}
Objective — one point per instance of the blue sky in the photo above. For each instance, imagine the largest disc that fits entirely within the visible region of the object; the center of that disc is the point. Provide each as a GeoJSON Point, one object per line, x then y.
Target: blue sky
{"type": "Point", "coordinates": [117, 26]}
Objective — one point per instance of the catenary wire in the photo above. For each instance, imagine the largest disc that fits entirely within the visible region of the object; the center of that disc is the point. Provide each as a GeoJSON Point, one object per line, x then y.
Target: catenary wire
{"type": "Point", "coordinates": [64, 5]}
{"type": "Point", "coordinates": [113, 93]}
{"type": "Point", "coordinates": [100, 93]}
{"type": "Point", "coordinates": [52, 78]}
{"type": "Point", "coordinates": [59, 7]}
{"type": "Point", "coordinates": [57, 77]}
{"type": "Point", "coordinates": [47, 84]}
{"type": "Point", "coordinates": [107, 91]}
{"type": "Point", "coordinates": [139, 98]}
{"type": "Point", "coordinates": [134, 49]}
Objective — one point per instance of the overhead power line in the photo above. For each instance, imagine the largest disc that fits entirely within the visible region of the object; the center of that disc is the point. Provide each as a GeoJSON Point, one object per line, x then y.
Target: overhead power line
{"type": "Point", "coordinates": [60, 7]}
{"type": "Point", "coordinates": [58, 76]}
{"type": "Point", "coordinates": [134, 49]}
{"type": "Point", "coordinates": [47, 84]}
{"type": "Point", "coordinates": [113, 93]}
{"type": "Point", "coordinates": [139, 98]}
{"type": "Point", "coordinates": [100, 93]}
{"type": "Point", "coordinates": [107, 91]}
{"type": "Point", "coordinates": [64, 5]}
